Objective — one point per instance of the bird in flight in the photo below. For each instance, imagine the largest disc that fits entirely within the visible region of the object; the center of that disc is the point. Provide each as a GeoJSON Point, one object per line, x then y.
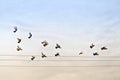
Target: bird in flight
{"type": "Point", "coordinates": [57, 46]}
{"type": "Point", "coordinates": [45, 43]}
{"type": "Point", "coordinates": [80, 53]}
{"type": "Point", "coordinates": [15, 29]}
{"type": "Point", "coordinates": [92, 45]}
{"type": "Point", "coordinates": [104, 48]}
{"type": "Point", "coordinates": [19, 40]}
{"type": "Point", "coordinates": [95, 54]}
{"type": "Point", "coordinates": [43, 55]}
{"type": "Point", "coordinates": [30, 35]}
{"type": "Point", "coordinates": [19, 48]}
{"type": "Point", "coordinates": [57, 54]}
{"type": "Point", "coordinates": [32, 58]}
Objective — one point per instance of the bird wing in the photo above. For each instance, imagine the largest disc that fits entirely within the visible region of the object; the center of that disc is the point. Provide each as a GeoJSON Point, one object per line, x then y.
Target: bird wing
{"type": "Point", "coordinates": [30, 35]}
{"type": "Point", "coordinates": [15, 29]}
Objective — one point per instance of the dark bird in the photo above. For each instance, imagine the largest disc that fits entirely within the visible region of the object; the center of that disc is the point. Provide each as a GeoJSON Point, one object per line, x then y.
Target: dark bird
{"type": "Point", "coordinates": [43, 55]}
{"type": "Point", "coordinates": [104, 48]}
{"type": "Point", "coordinates": [15, 29]}
{"type": "Point", "coordinates": [19, 48]}
{"type": "Point", "coordinates": [80, 53]}
{"type": "Point", "coordinates": [33, 57]}
{"type": "Point", "coordinates": [57, 46]}
{"type": "Point", "coordinates": [30, 35]}
{"type": "Point", "coordinates": [95, 54]}
{"type": "Point", "coordinates": [19, 40]}
{"type": "Point", "coordinates": [45, 43]}
{"type": "Point", "coordinates": [92, 46]}
{"type": "Point", "coordinates": [57, 54]}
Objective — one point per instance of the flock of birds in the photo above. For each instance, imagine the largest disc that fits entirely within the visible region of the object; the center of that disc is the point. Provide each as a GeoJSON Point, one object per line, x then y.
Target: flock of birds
{"type": "Point", "coordinates": [45, 43]}
{"type": "Point", "coordinates": [92, 46]}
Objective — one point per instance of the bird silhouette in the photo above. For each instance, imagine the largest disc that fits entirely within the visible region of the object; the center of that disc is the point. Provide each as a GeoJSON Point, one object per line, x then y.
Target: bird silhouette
{"type": "Point", "coordinates": [15, 29]}
{"type": "Point", "coordinates": [30, 35]}
{"type": "Point", "coordinates": [92, 45]}
{"type": "Point", "coordinates": [32, 58]}
{"type": "Point", "coordinates": [43, 55]}
{"type": "Point", "coordinates": [104, 48]}
{"type": "Point", "coordinates": [95, 54]}
{"type": "Point", "coordinates": [80, 53]}
{"type": "Point", "coordinates": [45, 43]}
{"type": "Point", "coordinates": [57, 54]}
{"type": "Point", "coordinates": [57, 46]}
{"type": "Point", "coordinates": [19, 48]}
{"type": "Point", "coordinates": [19, 40]}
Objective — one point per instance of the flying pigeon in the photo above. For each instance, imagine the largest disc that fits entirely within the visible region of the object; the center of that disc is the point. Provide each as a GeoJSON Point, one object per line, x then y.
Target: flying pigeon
{"type": "Point", "coordinates": [15, 29]}
{"type": "Point", "coordinates": [33, 57]}
{"type": "Point", "coordinates": [57, 54]}
{"type": "Point", "coordinates": [43, 55]}
{"type": "Point", "coordinates": [30, 35]}
{"type": "Point", "coordinates": [104, 48]}
{"type": "Point", "coordinates": [92, 46]}
{"type": "Point", "coordinates": [45, 43]}
{"type": "Point", "coordinates": [19, 40]}
{"type": "Point", "coordinates": [19, 48]}
{"type": "Point", "coordinates": [95, 54]}
{"type": "Point", "coordinates": [80, 53]}
{"type": "Point", "coordinates": [58, 46]}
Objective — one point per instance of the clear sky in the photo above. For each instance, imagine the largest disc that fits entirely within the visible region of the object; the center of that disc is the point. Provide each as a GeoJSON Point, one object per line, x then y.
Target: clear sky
{"type": "Point", "coordinates": [74, 24]}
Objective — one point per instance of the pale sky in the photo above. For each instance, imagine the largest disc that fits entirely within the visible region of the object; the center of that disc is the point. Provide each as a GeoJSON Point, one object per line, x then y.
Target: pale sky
{"type": "Point", "coordinates": [73, 24]}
